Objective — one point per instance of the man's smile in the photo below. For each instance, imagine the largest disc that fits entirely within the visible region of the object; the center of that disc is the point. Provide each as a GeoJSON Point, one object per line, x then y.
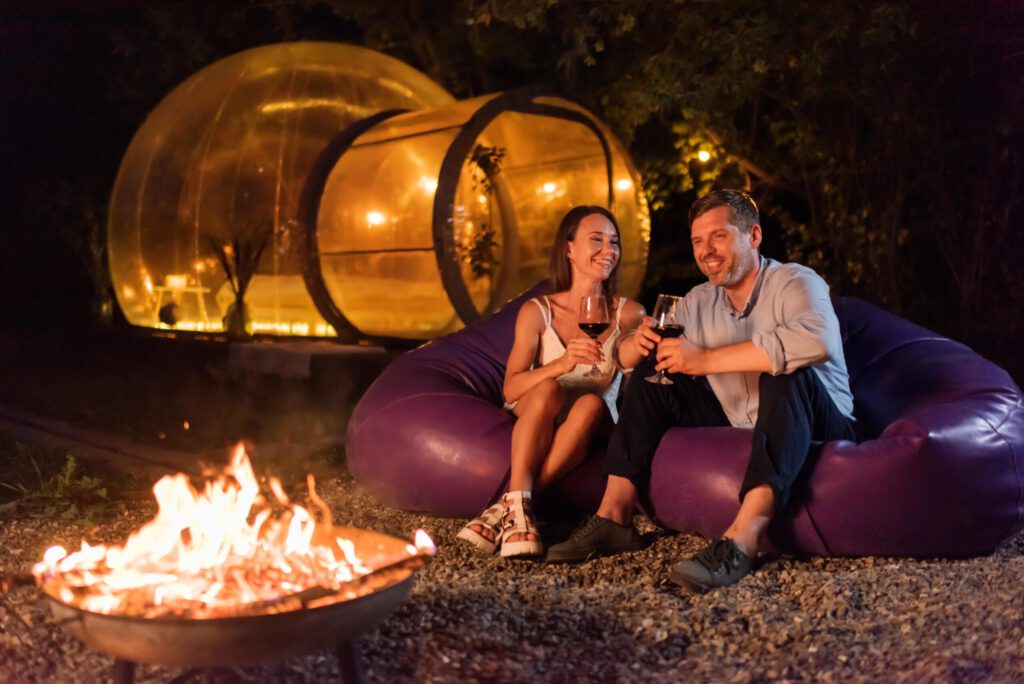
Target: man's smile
{"type": "Point", "coordinates": [714, 264]}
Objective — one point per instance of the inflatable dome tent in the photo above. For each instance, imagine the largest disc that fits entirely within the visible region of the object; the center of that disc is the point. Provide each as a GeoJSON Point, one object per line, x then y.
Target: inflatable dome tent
{"type": "Point", "coordinates": [369, 202]}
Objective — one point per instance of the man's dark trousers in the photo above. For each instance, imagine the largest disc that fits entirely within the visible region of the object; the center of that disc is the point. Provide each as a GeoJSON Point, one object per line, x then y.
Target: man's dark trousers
{"type": "Point", "coordinates": [794, 410]}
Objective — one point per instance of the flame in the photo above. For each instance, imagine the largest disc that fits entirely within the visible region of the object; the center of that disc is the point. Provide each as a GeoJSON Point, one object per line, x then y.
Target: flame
{"type": "Point", "coordinates": [423, 543]}
{"type": "Point", "coordinates": [54, 554]}
{"type": "Point", "coordinates": [208, 552]}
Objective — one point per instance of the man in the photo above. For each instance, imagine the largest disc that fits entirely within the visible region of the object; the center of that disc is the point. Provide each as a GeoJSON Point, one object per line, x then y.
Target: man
{"type": "Point", "coordinates": [766, 338]}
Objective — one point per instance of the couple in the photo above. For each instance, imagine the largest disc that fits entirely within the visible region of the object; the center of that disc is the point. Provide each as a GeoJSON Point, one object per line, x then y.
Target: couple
{"type": "Point", "coordinates": [762, 350]}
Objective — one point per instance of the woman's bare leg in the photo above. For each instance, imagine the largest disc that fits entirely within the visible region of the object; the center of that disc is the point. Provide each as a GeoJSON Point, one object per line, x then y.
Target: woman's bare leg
{"type": "Point", "coordinates": [569, 446]}
{"type": "Point", "coordinates": [531, 438]}
{"type": "Point", "coordinates": [533, 432]}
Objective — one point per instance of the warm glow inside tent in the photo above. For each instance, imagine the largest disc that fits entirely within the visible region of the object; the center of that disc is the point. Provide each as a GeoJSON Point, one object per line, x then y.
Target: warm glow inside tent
{"type": "Point", "coordinates": [386, 208]}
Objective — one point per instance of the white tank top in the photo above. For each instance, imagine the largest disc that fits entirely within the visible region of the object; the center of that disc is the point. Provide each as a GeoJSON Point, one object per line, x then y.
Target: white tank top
{"type": "Point", "coordinates": [606, 383]}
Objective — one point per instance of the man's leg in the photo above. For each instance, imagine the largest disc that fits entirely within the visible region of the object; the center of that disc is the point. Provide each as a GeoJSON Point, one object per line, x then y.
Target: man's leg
{"type": "Point", "coordinates": [619, 500]}
{"type": "Point", "coordinates": [648, 411]}
{"type": "Point", "coordinates": [752, 520]}
{"type": "Point", "coordinates": [792, 411]}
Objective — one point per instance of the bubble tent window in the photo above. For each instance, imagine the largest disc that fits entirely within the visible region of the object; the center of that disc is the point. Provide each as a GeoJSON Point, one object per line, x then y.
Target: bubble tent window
{"type": "Point", "coordinates": [394, 228]}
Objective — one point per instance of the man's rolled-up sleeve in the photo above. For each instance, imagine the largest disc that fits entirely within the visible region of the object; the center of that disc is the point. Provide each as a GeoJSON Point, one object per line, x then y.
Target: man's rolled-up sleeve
{"type": "Point", "coordinates": [807, 330]}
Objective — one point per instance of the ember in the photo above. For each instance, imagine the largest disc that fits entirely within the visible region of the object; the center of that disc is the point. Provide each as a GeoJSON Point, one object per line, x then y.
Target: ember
{"type": "Point", "coordinates": [221, 552]}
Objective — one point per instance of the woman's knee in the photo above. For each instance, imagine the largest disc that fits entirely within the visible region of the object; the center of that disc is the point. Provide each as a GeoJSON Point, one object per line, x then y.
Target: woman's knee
{"type": "Point", "coordinates": [589, 408]}
{"type": "Point", "coordinates": [546, 396]}
{"type": "Point", "coordinates": [591, 403]}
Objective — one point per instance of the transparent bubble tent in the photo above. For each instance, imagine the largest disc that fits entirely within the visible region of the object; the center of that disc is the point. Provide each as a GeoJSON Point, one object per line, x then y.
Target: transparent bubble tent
{"type": "Point", "coordinates": [384, 207]}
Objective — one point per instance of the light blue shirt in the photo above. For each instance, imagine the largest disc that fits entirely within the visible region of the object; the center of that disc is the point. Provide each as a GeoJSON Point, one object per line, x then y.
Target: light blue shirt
{"type": "Point", "coordinates": [789, 316]}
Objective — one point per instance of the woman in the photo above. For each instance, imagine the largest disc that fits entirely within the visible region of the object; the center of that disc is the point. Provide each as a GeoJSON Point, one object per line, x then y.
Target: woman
{"type": "Point", "coordinates": [558, 408]}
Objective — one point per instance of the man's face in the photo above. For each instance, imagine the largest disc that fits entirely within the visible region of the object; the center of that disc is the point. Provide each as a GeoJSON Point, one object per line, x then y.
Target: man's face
{"type": "Point", "coordinates": [723, 252]}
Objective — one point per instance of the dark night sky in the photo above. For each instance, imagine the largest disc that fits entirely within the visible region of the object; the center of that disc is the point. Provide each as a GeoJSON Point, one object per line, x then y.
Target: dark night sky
{"type": "Point", "coordinates": [53, 126]}
{"type": "Point", "coordinates": [55, 55]}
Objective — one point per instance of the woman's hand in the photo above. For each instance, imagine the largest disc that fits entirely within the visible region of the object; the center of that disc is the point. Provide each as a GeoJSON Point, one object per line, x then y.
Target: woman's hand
{"type": "Point", "coordinates": [580, 350]}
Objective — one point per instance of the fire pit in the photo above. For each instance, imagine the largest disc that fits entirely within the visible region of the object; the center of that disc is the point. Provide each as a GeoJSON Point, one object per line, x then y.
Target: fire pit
{"type": "Point", "coordinates": [228, 576]}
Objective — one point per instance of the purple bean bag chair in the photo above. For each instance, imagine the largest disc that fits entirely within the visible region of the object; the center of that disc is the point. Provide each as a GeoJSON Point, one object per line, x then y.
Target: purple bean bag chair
{"type": "Point", "coordinates": [939, 470]}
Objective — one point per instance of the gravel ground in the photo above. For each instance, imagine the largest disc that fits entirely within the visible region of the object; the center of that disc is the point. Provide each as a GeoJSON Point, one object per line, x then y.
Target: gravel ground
{"type": "Point", "coordinates": [473, 618]}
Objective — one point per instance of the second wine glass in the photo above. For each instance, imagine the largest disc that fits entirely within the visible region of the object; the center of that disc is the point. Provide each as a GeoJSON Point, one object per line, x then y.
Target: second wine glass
{"type": "Point", "coordinates": [666, 325]}
{"type": "Point", "coordinates": [594, 320]}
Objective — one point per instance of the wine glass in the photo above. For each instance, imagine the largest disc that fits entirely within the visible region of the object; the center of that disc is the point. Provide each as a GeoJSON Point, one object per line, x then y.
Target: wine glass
{"type": "Point", "coordinates": [666, 325]}
{"type": "Point", "coordinates": [594, 320]}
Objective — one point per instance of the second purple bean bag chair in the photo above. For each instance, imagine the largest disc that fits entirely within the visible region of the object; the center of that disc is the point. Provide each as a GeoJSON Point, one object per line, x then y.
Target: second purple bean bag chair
{"type": "Point", "coordinates": [939, 472]}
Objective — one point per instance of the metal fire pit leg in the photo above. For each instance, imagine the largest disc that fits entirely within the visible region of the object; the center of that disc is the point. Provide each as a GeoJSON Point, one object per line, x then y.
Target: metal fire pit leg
{"type": "Point", "coordinates": [124, 671]}
{"type": "Point", "coordinates": [350, 664]}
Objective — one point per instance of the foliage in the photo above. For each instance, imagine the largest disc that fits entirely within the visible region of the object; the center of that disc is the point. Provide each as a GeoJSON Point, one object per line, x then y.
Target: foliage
{"type": "Point", "coordinates": [76, 214]}
{"type": "Point", "coordinates": [478, 249]}
{"type": "Point", "coordinates": [488, 160]}
{"type": "Point", "coordinates": [71, 492]}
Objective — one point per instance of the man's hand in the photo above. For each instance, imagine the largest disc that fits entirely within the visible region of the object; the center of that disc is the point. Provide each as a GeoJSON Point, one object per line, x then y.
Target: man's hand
{"type": "Point", "coordinates": [682, 356]}
{"type": "Point", "coordinates": [645, 339]}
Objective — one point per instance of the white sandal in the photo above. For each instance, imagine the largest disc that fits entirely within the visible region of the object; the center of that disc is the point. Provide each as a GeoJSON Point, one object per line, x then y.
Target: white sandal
{"type": "Point", "coordinates": [519, 520]}
{"type": "Point", "coordinates": [490, 519]}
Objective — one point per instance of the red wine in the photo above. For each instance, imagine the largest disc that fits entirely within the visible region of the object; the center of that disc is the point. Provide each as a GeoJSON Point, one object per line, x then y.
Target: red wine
{"type": "Point", "coordinates": [594, 329]}
{"type": "Point", "coordinates": [670, 331]}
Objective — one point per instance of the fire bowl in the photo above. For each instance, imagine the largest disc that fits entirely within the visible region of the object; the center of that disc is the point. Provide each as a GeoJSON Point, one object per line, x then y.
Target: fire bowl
{"type": "Point", "coordinates": [251, 638]}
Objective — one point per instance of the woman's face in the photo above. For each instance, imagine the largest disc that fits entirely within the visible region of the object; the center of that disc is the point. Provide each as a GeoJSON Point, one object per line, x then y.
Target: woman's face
{"type": "Point", "coordinates": [594, 250]}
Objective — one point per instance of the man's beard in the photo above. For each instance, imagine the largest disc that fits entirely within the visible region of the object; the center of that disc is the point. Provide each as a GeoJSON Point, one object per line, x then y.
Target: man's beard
{"type": "Point", "coordinates": [731, 275]}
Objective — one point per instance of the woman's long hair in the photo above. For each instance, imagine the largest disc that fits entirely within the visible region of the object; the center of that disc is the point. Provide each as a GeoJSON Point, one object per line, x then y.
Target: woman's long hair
{"type": "Point", "coordinates": [561, 270]}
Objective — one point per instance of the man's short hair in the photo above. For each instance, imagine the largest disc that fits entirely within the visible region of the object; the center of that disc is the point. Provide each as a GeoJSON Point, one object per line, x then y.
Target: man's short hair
{"type": "Point", "coordinates": [744, 210]}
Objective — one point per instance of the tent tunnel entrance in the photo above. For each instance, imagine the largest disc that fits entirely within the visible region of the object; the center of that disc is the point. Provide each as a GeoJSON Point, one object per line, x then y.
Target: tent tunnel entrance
{"type": "Point", "coordinates": [441, 215]}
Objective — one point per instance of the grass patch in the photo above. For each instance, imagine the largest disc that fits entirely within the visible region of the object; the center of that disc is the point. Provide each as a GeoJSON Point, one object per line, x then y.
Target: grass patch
{"type": "Point", "coordinates": [44, 483]}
